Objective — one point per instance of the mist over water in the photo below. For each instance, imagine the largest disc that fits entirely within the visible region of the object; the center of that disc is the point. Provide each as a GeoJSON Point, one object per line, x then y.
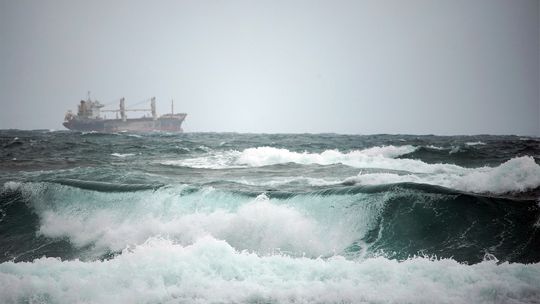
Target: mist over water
{"type": "Point", "coordinates": [346, 66]}
{"type": "Point", "coordinates": [251, 218]}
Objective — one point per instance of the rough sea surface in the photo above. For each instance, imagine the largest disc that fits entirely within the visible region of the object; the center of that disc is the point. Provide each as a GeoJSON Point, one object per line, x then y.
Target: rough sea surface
{"type": "Point", "coordinates": [262, 218]}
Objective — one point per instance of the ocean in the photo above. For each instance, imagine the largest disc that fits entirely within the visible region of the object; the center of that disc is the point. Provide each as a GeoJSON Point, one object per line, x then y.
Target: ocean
{"type": "Point", "coordinates": [268, 218]}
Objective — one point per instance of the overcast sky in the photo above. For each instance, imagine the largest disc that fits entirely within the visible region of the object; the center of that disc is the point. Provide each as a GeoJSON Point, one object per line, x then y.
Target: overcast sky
{"type": "Point", "coordinates": [415, 66]}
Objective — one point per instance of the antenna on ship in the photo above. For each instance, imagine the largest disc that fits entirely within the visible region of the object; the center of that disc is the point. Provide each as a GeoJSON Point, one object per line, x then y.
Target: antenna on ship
{"type": "Point", "coordinates": [88, 96]}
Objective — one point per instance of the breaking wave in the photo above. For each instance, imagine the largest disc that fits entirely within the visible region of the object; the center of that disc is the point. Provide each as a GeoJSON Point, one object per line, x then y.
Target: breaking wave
{"type": "Point", "coordinates": [516, 175]}
{"type": "Point", "coordinates": [383, 157]}
{"type": "Point", "coordinates": [211, 271]}
{"type": "Point", "coordinates": [356, 222]}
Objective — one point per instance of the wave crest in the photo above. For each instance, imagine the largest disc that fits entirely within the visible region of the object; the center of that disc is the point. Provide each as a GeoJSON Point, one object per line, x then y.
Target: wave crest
{"type": "Point", "coordinates": [264, 156]}
{"type": "Point", "coordinates": [515, 175]}
{"type": "Point", "coordinates": [374, 157]}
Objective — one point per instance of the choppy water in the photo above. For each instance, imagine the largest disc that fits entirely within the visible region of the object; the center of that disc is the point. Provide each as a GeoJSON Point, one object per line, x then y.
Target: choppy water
{"type": "Point", "coordinates": [260, 218]}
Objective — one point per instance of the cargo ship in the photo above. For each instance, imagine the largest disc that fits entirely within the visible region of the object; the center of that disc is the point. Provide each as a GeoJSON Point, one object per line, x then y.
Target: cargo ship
{"type": "Point", "coordinates": [89, 118]}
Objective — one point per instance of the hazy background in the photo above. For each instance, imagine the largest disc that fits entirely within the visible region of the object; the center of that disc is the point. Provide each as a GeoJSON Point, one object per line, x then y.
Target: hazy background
{"type": "Point", "coordinates": [442, 67]}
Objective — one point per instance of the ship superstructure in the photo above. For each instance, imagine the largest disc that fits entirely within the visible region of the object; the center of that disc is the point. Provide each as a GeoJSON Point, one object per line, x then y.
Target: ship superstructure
{"type": "Point", "coordinates": [89, 118]}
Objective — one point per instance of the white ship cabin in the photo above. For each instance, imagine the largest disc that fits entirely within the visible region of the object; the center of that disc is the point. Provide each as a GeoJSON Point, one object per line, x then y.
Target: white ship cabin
{"type": "Point", "coordinates": [90, 109]}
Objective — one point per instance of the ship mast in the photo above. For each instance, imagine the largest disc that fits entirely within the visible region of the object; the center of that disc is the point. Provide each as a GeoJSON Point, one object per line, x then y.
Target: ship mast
{"type": "Point", "coordinates": [153, 108]}
{"type": "Point", "coordinates": [172, 107]}
{"type": "Point", "coordinates": [123, 109]}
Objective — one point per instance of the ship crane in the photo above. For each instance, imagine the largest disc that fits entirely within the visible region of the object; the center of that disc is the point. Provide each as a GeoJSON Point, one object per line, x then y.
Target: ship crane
{"type": "Point", "coordinates": [123, 109]}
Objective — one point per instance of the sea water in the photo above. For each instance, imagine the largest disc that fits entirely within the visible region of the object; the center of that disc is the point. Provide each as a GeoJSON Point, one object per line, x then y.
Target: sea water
{"type": "Point", "coordinates": [267, 218]}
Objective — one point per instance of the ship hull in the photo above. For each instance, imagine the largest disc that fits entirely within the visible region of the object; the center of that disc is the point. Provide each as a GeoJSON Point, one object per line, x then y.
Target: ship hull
{"type": "Point", "coordinates": [172, 123]}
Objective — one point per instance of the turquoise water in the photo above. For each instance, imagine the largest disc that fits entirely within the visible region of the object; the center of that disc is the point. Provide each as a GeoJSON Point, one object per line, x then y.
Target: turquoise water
{"type": "Point", "coordinates": [264, 218]}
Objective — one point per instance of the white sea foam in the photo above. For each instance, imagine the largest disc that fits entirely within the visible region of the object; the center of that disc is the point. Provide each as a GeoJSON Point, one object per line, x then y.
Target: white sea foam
{"type": "Point", "coordinates": [217, 160]}
{"type": "Point", "coordinates": [475, 143]}
{"type": "Point", "coordinates": [436, 147]}
{"type": "Point", "coordinates": [204, 148]}
{"type": "Point", "coordinates": [111, 221]}
{"type": "Point", "coordinates": [454, 149]}
{"type": "Point", "coordinates": [262, 156]}
{"type": "Point", "coordinates": [516, 175]}
{"type": "Point", "coordinates": [122, 155]}
{"type": "Point", "coordinates": [12, 186]}
{"type": "Point", "coordinates": [258, 225]}
{"type": "Point", "coordinates": [211, 271]}
{"type": "Point", "coordinates": [376, 157]}
{"type": "Point", "coordinates": [280, 181]}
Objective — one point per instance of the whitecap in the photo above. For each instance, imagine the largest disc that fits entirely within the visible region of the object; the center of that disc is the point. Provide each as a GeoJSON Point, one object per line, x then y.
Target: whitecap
{"type": "Point", "coordinates": [518, 174]}
{"type": "Point", "coordinates": [211, 271]}
{"type": "Point", "coordinates": [475, 143]}
{"type": "Point", "coordinates": [122, 155]}
{"type": "Point", "coordinates": [374, 157]}
{"type": "Point", "coordinates": [110, 221]}
{"type": "Point", "coordinates": [12, 186]}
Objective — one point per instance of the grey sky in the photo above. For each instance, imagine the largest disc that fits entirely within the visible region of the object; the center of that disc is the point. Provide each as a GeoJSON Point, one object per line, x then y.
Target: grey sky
{"type": "Point", "coordinates": [415, 66]}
